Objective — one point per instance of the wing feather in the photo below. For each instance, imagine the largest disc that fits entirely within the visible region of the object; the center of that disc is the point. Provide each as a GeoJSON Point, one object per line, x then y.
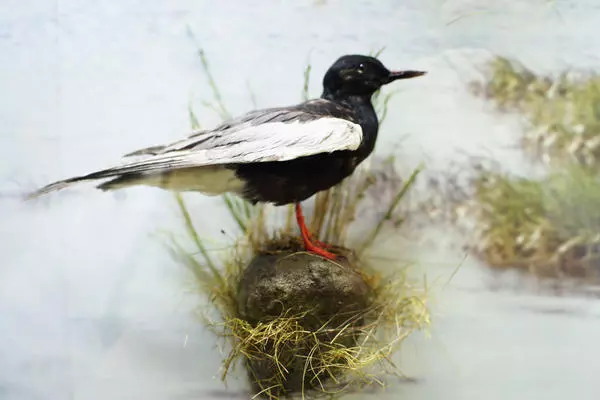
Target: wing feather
{"type": "Point", "coordinates": [275, 141]}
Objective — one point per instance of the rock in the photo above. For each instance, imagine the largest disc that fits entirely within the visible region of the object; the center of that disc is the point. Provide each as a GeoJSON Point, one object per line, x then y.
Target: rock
{"type": "Point", "coordinates": [330, 293]}
{"type": "Point", "coordinates": [298, 282]}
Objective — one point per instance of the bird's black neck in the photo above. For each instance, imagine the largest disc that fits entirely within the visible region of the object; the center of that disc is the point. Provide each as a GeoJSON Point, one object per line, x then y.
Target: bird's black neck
{"type": "Point", "coordinates": [367, 118]}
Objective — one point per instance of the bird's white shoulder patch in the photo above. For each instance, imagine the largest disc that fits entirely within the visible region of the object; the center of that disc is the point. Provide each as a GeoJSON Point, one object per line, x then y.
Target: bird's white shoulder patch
{"type": "Point", "coordinates": [283, 141]}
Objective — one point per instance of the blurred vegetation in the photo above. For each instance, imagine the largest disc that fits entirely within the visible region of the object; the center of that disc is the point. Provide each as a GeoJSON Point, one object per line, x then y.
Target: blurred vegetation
{"type": "Point", "coordinates": [549, 226]}
{"type": "Point", "coordinates": [397, 307]}
{"type": "Point", "coordinates": [563, 112]}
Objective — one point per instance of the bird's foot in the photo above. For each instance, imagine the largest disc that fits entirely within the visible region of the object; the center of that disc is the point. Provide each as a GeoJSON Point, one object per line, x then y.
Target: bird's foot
{"type": "Point", "coordinates": [318, 243]}
{"type": "Point", "coordinates": [317, 248]}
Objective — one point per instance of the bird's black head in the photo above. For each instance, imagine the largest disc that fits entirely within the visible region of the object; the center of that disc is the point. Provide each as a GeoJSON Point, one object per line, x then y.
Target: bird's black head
{"type": "Point", "coordinates": [360, 75]}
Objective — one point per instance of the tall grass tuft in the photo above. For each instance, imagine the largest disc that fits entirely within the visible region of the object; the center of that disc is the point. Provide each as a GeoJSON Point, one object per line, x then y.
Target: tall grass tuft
{"type": "Point", "coordinates": [397, 306]}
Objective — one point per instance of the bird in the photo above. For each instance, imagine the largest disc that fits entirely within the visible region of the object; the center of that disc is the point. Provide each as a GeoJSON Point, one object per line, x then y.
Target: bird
{"type": "Point", "coordinates": [278, 155]}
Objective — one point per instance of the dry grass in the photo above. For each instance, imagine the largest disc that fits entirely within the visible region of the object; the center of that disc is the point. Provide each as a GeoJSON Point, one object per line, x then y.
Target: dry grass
{"type": "Point", "coordinates": [338, 358]}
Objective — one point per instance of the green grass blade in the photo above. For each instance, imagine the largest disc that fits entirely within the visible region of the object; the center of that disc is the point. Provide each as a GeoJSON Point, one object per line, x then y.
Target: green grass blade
{"type": "Point", "coordinates": [305, 87]}
{"type": "Point", "coordinates": [189, 225]}
{"type": "Point", "coordinates": [388, 215]}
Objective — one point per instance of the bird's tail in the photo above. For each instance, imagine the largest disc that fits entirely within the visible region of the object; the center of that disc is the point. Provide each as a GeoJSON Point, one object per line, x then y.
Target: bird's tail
{"type": "Point", "coordinates": [53, 187]}
{"type": "Point", "coordinates": [123, 176]}
{"type": "Point", "coordinates": [172, 170]}
{"type": "Point", "coordinates": [113, 184]}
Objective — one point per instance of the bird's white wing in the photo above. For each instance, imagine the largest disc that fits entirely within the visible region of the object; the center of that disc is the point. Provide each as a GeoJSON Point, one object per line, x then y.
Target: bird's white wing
{"type": "Point", "coordinates": [272, 141]}
{"type": "Point", "coordinates": [283, 141]}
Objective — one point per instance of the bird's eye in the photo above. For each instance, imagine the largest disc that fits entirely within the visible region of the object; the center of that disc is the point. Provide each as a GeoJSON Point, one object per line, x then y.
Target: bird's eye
{"type": "Point", "coordinates": [361, 68]}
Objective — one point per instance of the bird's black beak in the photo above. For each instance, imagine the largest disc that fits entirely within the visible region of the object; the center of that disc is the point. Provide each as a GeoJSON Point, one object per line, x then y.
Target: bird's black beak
{"type": "Point", "coordinates": [395, 75]}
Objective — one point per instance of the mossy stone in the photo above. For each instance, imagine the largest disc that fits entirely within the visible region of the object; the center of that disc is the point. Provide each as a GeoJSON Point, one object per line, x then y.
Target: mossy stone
{"type": "Point", "coordinates": [289, 283]}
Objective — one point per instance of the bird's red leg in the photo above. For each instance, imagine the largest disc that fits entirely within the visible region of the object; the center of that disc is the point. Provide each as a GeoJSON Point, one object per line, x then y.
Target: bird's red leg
{"type": "Point", "coordinates": [309, 244]}
{"type": "Point", "coordinates": [304, 229]}
{"type": "Point", "coordinates": [306, 232]}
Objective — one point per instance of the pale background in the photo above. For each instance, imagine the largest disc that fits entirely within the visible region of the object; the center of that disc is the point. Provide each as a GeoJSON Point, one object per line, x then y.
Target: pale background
{"type": "Point", "coordinates": [91, 304]}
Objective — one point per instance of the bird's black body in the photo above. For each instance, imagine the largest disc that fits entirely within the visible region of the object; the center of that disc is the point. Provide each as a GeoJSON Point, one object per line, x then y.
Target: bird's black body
{"type": "Point", "coordinates": [347, 93]}
{"type": "Point", "coordinates": [285, 182]}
